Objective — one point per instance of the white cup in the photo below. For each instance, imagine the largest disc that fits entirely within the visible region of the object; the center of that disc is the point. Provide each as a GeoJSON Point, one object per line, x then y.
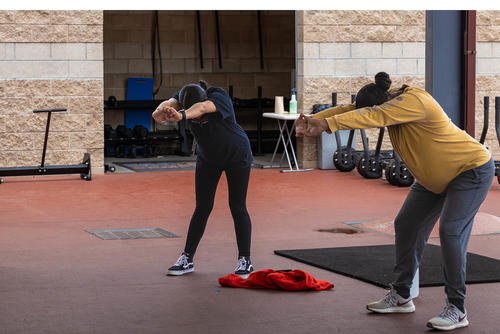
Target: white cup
{"type": "Point", "coordinates": [279, 107]}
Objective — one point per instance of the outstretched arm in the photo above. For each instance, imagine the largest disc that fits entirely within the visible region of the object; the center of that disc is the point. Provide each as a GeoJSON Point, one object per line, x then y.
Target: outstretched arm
{"type": "Point", "coordinates": [405, 108]}
{"type": "Point", "coordinates": [161, 112]}
{"type": "Point", "coordinates": [402, 109]}
{"type": "Point", "coordinates": [309, 126]}
{"type": "Point", "coordinates": [337, 110]}
{"type": "Point", "coordinates": [200, 108]}
{"type": "Point", "coordinates": [196, 110]}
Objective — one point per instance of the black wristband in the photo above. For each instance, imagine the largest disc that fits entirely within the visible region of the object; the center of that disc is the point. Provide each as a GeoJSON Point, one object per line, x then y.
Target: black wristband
{"type": "Point", "coordinates": [183, 113]}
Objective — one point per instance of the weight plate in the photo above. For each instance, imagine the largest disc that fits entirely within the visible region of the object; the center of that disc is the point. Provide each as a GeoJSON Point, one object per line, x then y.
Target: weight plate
{"type": "Point", "coordinates": [389, 174]}
{"type": "Point", "coordinates": [344, 161]}
{"type": "Point", "coordinates": [402, 176]}
{"type": "Point", "coordinates": [369, 168]}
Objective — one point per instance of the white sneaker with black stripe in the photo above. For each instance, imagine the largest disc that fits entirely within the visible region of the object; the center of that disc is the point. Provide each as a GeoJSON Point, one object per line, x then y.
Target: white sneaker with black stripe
{"type": "Point", "coordinates": [392, 303]}
{"type": "Point", "coordinates": [450, 318]}
{"type": "Point", "coordinates": [243, 267]}
{"type": "Point", "coordinates": [184, 265]}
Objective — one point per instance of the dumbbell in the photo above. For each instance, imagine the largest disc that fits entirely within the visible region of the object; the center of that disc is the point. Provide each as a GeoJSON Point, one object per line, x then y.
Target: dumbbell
{"type": "Point", "coordinates": [369, 168]}
{"type": "Point", "coordinates": [398, 175]}
{"type": "Point", "coordinates": [344, 160]}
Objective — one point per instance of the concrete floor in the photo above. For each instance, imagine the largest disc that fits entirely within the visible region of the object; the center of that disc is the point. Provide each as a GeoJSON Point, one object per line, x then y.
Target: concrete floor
{"type": "Point", "coordinates": [57, 278]}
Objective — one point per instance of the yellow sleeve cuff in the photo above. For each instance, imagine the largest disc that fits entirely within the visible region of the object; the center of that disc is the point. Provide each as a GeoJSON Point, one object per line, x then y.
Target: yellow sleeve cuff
{"type": "Point", "coordinates": [337, 110]}
{"type": "Point", "coordinates": [332, 124]}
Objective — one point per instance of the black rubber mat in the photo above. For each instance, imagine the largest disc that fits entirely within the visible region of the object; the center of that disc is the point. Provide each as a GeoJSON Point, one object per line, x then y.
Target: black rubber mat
{"type": "Point", "coordinates": [375, 264]}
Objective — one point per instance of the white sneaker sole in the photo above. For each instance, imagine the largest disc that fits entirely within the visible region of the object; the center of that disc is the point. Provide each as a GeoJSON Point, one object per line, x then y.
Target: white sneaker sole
{"type": "Point", "coordinates": [464, 323]}
{"type": "Point", "coordinates": [392, 309]}
{"type": "Point", "coordinates": [244, 276]}
{"type": "Point", "coordinates": [179, 272]}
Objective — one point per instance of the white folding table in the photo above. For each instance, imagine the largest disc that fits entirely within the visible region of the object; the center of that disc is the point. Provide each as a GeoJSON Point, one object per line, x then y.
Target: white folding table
{"type": "Point", "coordinates": [285, 137]}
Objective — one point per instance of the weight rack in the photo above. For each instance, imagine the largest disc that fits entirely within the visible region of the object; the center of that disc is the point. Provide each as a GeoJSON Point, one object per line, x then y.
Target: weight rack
{"type": "Point", "coordinates": [84, 168]}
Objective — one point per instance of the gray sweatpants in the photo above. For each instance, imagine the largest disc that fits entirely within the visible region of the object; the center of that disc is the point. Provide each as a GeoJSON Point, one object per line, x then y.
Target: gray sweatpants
{"type": "Point", "coordinates": [456, 208]}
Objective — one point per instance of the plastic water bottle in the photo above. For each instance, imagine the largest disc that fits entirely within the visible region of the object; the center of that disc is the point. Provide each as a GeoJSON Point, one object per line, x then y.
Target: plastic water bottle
{"type": "Point", "coordinates": [415, 285]}
{"type": "Point", "coordinates": [293, 103]}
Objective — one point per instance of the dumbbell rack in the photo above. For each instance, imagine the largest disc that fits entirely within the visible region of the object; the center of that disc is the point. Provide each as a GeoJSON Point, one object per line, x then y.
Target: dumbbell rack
{"type": "Point", "coordinates": [84, 169]}
{"type": "Point", "coordinates": [345, 158]}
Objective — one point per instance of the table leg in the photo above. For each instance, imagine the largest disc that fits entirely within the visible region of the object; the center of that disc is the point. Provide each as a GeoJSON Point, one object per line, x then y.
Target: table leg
{"type": "Point", "coordinates": [286, 143]}
{"type": "Point", "coordinates": [283, 124]}
{"type": "Point", "coordinates": [289, 143]}
{"type": "Point", "coordinates": [277, 145]}
{"type": "Point", "coordinates": [285, 137]}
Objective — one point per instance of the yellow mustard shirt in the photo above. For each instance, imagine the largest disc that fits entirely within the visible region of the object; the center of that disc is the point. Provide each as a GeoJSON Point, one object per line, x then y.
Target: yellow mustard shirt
{"type": "Point", "coordinates": [433, 148]}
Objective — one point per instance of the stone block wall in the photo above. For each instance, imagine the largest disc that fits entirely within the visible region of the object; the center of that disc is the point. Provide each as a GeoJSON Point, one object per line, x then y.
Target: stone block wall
{"type": "Point", "coordinates": [340, 51]}
{"type": "Point", "coordinates": [56, 59]}
{"type": "Point", "coordinates": [488, 73]}
{"type": "Point", "coordinates": [51, 59]}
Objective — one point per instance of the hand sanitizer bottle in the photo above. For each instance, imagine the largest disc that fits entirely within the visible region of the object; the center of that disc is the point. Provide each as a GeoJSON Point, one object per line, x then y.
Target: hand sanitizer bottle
{"type": "Point", "coordinates": [293, 103]}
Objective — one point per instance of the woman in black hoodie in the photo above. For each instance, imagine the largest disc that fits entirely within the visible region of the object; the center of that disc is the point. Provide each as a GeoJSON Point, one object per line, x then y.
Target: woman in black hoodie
{"type": "Point", "coordinates": [222, 146]}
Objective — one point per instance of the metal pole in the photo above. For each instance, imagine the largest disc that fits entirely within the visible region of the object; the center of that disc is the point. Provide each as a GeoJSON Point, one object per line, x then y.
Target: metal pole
{"type": "Point", "coordinates": [217, 30]}
{"type": "Point", "coordinates": [470, 71]}
{"type": "Point", "coordinates": [497, 118]}
{"type": "Point", "coordinates": [261, 52]}
{"type": "Point", "coordinates": [200, 44]}
{"type": "Point", "coordinates": [486, 119]}
{"type": "Point", "coordinates": [49, 114]}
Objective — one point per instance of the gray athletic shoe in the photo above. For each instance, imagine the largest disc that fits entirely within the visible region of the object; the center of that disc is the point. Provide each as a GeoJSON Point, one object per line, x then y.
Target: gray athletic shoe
{"type": "Point", "coordinates": [184, 265]}
{"type": "Point", "coordinates": [450, 318]}
{"type": "Point", "coordinates": [392, 303]}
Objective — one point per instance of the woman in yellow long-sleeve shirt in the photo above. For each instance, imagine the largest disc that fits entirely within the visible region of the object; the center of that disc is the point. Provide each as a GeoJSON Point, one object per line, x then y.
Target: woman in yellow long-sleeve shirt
{"type": "Point", "coordinates": [453, 174]}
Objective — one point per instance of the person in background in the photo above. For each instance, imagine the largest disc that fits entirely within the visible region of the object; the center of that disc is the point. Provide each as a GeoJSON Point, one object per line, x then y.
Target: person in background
{"type": "Point", "coordinates": [453, 175]}
{"type": "Point", "coordinates": [222, 146]}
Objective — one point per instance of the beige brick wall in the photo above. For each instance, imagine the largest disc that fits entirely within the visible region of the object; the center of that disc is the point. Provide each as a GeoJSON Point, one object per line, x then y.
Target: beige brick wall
{"type": "Point", "coordinates": [488, 73]}
{"type": "Point", "coordinates": [51, 59]}
{"type": "Point", "coordinates": [55, 58]}
{"type": "Point", "coordinates": [340, 51]}
{"type": "Point", "coordinates": [50, 26]}
{"type": "Point", "coordinates": [127, 52]}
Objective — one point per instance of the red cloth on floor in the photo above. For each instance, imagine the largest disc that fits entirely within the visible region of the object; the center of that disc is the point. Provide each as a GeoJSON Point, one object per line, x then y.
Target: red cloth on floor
{"type": "Point", "coordinates": [290, 280]}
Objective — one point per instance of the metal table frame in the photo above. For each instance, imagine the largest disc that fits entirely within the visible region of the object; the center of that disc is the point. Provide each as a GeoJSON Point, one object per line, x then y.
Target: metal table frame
{"type": "Point", "coordinates": [285, 137]}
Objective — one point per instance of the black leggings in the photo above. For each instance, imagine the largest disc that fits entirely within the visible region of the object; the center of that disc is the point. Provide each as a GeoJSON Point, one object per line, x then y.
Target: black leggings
{"type": "Point", "coordinates": [206, 180]}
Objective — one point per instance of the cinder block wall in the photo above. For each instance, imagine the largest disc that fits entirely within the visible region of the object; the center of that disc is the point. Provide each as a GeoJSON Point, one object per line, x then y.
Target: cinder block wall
{"type": "Point", "coordinates": [55, 59]}
{"type": "Point", "coordinates": [488, 73]}
{"type": "Point", "coordinates": [127, 52]}
{"type": "Point", "coordinates": [51, 59]}
{"type": "Point", "coordinates": [340, 51]}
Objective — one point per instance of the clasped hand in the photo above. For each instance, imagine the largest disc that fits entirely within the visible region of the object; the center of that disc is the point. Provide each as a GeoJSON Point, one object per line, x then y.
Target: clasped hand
{"type": "Point", "coordinates": [309, 127]}
{"type": "Point", "coordinates": [164, 114]}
